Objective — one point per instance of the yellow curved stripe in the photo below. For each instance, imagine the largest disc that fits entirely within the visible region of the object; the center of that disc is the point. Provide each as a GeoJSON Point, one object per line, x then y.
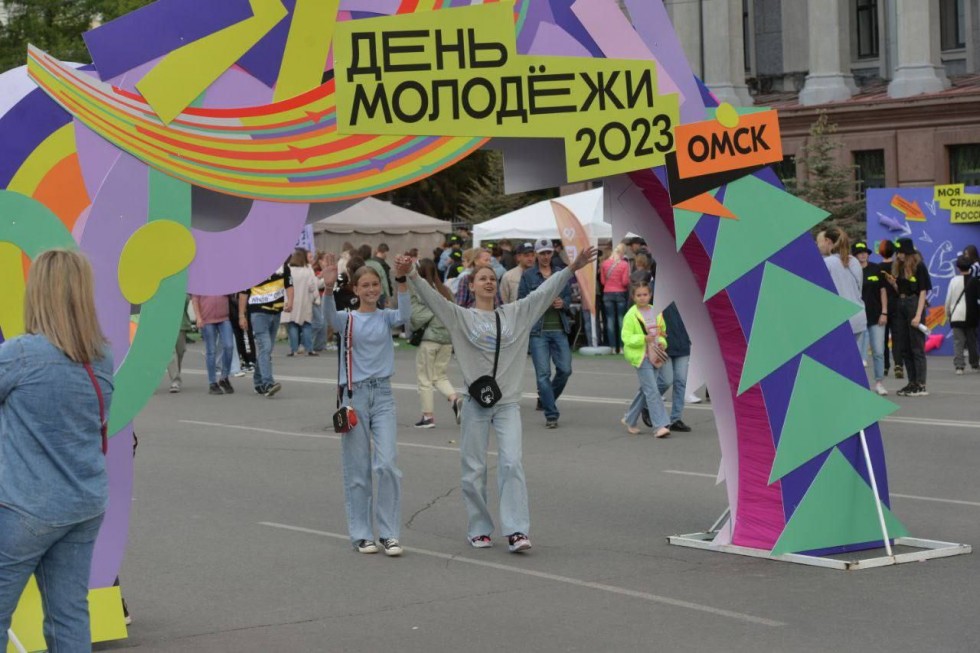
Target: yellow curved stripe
{"type": "Point", "coordinates": [307, 46]}
{"type": "Point", "coordinates": [234, 162]}
{"type": "Point", "coordinates": [187, 72]}
{"type": "Point", "coordinates": [12, 306]}
{"type": "Point", "coordinates": [52, 149]}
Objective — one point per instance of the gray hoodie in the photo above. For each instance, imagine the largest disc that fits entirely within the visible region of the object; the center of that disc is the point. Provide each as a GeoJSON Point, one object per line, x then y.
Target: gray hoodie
{"type": "Point", "coordinates": [473, 331]}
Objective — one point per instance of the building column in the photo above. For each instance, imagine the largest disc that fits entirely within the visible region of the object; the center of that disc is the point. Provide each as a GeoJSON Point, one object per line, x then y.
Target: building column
{"type": "Point", "coordinates": [724, 56]}
{"type": "Point", "coordinates": [920, 69]}
{"type": "Point", "coordinates": [830, 78]}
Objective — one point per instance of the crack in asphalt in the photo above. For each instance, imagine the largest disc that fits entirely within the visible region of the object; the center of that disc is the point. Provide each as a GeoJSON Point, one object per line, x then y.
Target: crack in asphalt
{"type": "Point", "coordinates": [408, 524]}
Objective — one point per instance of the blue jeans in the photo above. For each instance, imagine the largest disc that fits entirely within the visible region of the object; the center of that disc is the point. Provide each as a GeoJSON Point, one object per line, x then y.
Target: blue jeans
{"type": "Point", "coordinates": [515, 517]}
{"type": "Point", "coordinates": [60, 557]}
{"type": "Point", "coordinates": [265, 325]}
{"type": "Point", "coordinates": [614, 305]}
{"type": "Point", "coordinates": [376, 426]}
{"type": "Point", "coordinates": [211, 334]}
{"type": "Point", "coordinates": [674, 373]}
{"type": "Point", "coordinates": [647, 397]}
{"type": "Point", "coordinates": [299, 332]}
{"type": "Point", "coordinates": [546, 347]}
{"type": "Point", "coordinates": [875, 336]}
{"type": "Point", "coordinates": [319, 328]}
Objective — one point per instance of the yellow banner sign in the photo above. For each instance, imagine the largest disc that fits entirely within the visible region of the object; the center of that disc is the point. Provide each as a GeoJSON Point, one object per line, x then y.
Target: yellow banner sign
{"type": "Point", "coordinates": [963, 207]}
{"type": "Point", "coordinates": [456, 72]}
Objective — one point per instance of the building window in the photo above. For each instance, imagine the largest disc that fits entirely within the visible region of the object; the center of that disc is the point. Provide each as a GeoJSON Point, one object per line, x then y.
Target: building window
{"type": "Point", "coordinates": [786, 171]}
{"type": "Point", "coordinates": [867, 29]}
{"type": "Point", "coordinates": [869, 171]}
{"type": "Point", "coordinates": [964, 164]}
{"type": "Point", "coordinates": [952, 24]}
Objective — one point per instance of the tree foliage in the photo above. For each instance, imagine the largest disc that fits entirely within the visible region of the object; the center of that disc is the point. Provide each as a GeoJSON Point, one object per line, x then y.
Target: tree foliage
{"type": "Point", "coordinates": [485, 199]}
{"type": "Point", "coordinates": [471, 191]}
{"type": "Point", "coordinates": [826, 182]}
{"type": "Point", "coordinates": [55, 26]}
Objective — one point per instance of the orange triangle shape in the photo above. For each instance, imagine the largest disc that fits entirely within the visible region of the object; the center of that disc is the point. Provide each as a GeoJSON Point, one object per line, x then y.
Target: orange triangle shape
{"type": "Point", "coordinates": [706, 203]}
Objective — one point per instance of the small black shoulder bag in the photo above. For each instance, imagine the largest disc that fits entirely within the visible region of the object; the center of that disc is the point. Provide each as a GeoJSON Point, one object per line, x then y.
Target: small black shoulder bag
{"type": "Point", "coordinates": [485, 390]}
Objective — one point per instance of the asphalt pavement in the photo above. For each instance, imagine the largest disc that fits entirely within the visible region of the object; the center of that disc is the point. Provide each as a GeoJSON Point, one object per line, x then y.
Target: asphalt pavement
{"type": "Point", "coordinates": [238, 539]}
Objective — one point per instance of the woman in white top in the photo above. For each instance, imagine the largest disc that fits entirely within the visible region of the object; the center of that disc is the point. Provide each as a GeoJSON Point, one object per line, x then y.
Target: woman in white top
{"type": "Point", "coordinates": [845, 270]}
{"type": "Point", "coordinates": [305, 295]}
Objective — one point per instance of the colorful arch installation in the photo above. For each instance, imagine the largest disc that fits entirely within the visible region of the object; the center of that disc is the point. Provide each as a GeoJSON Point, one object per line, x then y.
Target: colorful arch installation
{"type": "Point", "coordinates": [288, 102]}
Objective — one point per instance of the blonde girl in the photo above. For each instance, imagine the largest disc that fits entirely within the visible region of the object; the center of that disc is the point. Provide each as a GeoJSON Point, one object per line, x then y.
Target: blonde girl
{"type": "Point", "coordinates": [370, 446]}
{"type": "Point", "coordinates": [644, 346]}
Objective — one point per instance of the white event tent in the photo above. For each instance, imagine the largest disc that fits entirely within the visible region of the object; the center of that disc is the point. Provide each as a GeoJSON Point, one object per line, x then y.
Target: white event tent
{"type": "Point", "coordinates": [538, 220]}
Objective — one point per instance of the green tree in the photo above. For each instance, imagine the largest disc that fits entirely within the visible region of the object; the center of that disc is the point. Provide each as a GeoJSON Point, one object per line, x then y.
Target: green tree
{"type": "Point", "coordinates": [485, 198]}
{"type": "Point", "coordinates": [826, 182]}
{"type": "Point", "coordinates": [55, 26]}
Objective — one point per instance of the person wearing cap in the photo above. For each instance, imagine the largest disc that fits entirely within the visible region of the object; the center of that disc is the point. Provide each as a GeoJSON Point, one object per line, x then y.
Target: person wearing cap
{"type": "Point", "coordinates": [453, 244]}
{"type": "Point", "coordinates": [549, 335]}
{"type": "Point", "coordinates": [876, 311]}
{"type": "Point", "coordinates": [509, 283]}
{"type": "Point", "coordinates": [961, 307]}
{"type": "Point", "coordinates": [911, 281]}
{"type": "Point", "coordinates": [886, 250]}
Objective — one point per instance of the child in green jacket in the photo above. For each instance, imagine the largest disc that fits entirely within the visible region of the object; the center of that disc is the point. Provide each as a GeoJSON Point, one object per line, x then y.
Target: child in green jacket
{"type": "Point", "coordinates": [644, 344]}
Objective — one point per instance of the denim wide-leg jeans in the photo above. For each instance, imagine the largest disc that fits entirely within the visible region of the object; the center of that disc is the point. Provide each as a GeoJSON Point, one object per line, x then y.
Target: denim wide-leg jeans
{"type": "Point", "coordinates": [375, 408]}
{"type": "Point", "coordinates": [215, 334]}
{"type": "Point", "coordinates": [647, 397]}
{"type": "Point", "coordinates": [515, 516]}
{"type": "Point", "coordinates": [673, 374]}
{"type": "Point", "coordinates": [60, 557]}
{"type": "Point", "coordinates": [265, 325]}
{"type": "Point", "coordinates": [546, 347]}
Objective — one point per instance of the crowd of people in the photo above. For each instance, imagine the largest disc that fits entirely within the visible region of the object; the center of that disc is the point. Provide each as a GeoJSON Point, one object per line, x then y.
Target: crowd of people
{"type": "Point", "coordinates": [491, 307]}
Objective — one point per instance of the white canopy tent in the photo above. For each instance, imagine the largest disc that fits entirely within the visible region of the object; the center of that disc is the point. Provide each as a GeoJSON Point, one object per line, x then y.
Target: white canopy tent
{"type": "Point", "coordinates": [373, 221]}
{"type": "Point", "coordinates": [538, 220]}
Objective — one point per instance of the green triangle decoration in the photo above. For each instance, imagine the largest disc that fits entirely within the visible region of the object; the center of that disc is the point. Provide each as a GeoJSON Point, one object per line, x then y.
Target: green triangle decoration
{"type": "Point", "coordinates": [791, 315]}
{"type": "Point", "coordinates": [768, 220]}
{"type": "Point", "coordinates": [809, 428]}
{"type": "Point", "coordinates": [838, 509]}
{"type": "Point", "coordinates": [684, 223]}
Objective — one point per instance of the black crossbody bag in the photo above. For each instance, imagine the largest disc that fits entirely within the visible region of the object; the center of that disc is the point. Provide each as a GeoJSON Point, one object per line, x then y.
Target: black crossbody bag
{"type": "Point", "coordinates": [485, 390]}
{"type": "Point", "coordinates": [345, 419]}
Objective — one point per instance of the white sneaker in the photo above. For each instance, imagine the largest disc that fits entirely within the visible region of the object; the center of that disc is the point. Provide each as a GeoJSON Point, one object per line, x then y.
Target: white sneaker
{"type": "Point", "coordinates": [692, 399]}
{"type": "Point", "coordinates": [390, 546]}
{"type": "Point", "coordinates": [880, 389]}
{"type": "Point", "coordinates": [959, 371]}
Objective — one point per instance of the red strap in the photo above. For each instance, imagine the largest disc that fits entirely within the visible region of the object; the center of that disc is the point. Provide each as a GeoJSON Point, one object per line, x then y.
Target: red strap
{"type": "Point", "coordinates": [102, 420]}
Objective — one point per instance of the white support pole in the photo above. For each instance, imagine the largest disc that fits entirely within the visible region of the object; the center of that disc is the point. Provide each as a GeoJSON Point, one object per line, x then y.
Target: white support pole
{"type": "Point", "coordinates": [16, 642]}
{"type": "Point", "coordinates": [594, 339]}
{"type": "Point", "coordinates": [874, 488]}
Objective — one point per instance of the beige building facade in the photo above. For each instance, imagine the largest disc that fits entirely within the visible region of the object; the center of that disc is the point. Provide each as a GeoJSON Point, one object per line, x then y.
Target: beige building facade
{"type": "Point", "coordinates": [900, 78]}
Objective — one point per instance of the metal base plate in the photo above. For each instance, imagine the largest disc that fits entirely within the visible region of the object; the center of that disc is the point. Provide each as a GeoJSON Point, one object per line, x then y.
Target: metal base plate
{"type": "Point", "coordinates": [906, 549]}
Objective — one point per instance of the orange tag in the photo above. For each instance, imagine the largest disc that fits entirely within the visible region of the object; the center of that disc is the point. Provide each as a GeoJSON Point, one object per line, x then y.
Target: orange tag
{"type": "Point", "coordinates": [708, 147]}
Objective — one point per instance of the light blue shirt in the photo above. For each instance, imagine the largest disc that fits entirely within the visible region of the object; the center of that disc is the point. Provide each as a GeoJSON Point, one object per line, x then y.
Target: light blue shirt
{"type": "Point", "coordinates": [51, 462]}
{"type": "Point", "coordinates": [374, 353]}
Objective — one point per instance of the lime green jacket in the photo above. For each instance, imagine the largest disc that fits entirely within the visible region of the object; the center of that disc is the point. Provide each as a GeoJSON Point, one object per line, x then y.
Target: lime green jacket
{"type": "Point", "coordinates": [634, 336]}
